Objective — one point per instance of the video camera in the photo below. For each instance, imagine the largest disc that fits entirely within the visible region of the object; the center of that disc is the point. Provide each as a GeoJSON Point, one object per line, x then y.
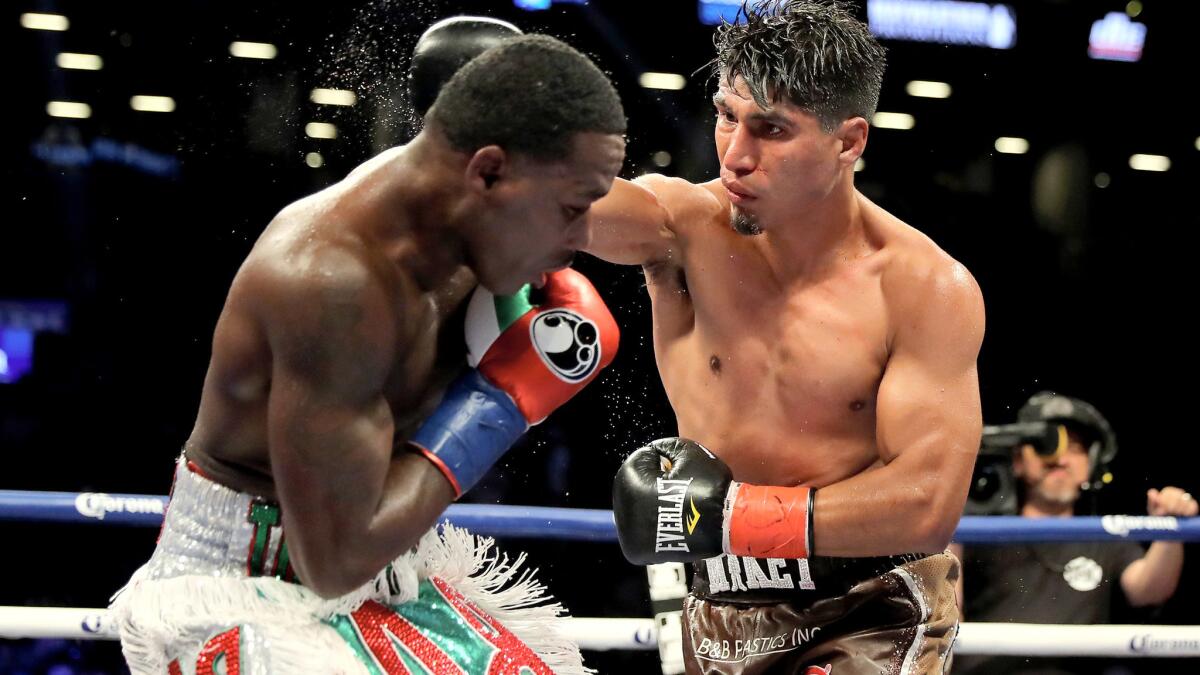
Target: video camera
{"type": "Point", "coordinates": [993, 486]}
{"type": "Point", "coordinates": [1043, 423]}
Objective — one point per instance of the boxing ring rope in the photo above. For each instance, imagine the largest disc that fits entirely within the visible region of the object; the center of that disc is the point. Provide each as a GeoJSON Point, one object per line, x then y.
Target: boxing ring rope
{"type": "Point", "coordinates": [543, 522]}
{"type": "Point", "coordinates": [598, 634]}
{"type": "Point", "coordinates": [617, 633]}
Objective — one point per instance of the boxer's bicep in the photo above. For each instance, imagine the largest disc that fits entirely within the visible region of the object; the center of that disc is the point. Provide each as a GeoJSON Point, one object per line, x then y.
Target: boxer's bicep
{"type": "Point", "coordinates": [329, 426]}
{"type": "Point", "coordinates": [928, 417]}
{"type": "Point", "coordinates": [631, 225]}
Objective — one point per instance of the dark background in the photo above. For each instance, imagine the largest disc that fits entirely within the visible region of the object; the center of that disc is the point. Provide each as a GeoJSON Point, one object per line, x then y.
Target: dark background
{"type": "Point", "coordinates": [1087, 296]}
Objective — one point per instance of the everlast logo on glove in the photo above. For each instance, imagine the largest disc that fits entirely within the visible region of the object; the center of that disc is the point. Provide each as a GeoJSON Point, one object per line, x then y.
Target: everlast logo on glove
{"type": "Point", "coordinates": [670, 516]}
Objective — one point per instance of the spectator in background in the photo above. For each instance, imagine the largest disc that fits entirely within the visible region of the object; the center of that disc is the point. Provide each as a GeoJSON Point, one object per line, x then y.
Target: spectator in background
{"type": "Point", "coordinates": [1064, 582]}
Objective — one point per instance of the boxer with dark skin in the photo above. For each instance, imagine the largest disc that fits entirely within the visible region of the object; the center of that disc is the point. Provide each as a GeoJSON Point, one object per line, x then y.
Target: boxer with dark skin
{"type": "Point", "coordinates": [344, 325]}
{"type": "Point", "coordinates": [821, 351]}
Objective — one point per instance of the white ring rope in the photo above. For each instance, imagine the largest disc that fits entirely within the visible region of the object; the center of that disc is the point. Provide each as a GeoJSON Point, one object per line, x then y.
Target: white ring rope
{"type": "Point", "coordinates": [599, 634]}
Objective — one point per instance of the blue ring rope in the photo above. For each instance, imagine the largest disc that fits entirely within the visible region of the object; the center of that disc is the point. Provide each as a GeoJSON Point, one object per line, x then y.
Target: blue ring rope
{"type": "Point", "coordinates": [542, 522]}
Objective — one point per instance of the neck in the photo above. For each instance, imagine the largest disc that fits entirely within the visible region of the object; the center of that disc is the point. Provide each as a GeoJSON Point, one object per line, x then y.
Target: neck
{"type": "Point", "coordinates": [410, 188]}
{"type": "Point", "coordinates": [827, 232]}
{"type": "Point", "coordinates": [1039, 508]}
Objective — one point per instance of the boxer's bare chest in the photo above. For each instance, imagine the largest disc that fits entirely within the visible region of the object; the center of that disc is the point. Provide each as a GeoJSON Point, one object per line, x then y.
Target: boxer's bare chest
{"type": "Point", "coordinates": [435, 354]}
{"type": "Point", "coordinates": [780, 380]}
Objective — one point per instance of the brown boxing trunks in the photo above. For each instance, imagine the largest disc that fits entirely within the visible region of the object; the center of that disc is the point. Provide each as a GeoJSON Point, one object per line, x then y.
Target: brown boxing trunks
{"type": "Point", "coordinates": [821, 616]}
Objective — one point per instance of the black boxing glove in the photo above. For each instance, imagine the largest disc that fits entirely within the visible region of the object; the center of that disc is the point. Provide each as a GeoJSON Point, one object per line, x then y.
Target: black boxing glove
{"type": "Point", "coordinates": [445, 47]}
{"type": "Point", "coordinates": [674, 501]}
{"type": "Point", "coordinates": [668, 499]}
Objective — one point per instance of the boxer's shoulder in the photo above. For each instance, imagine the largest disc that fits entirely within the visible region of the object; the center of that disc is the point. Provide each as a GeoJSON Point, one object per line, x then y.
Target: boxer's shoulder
{"type": "Point", "coordinates": [912, 267]}
{"type": "Point", "coordinates": [928, 292]}
{"type": "Point", "coordinates": [324, 287]}
{"type": "Point", "coordinates": [924, 288]}
{"type": "Point", "coordinates": [918, 272]}
{"type": "Point", "coordinates": [318, 271]}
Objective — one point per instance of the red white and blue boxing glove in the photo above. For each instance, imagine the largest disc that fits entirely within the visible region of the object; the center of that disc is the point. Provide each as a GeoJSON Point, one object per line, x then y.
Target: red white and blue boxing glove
{"type": "Point", "coordinates": [674, 501]}
{"type": "Point", "coordinates": [526, 361]}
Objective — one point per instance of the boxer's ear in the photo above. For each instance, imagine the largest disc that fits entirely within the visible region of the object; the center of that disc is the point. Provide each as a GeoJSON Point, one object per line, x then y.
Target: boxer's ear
{"type": "Point", "coordinates": [852, 134]}
{"type": "Point", "coordinates": [486, 167]}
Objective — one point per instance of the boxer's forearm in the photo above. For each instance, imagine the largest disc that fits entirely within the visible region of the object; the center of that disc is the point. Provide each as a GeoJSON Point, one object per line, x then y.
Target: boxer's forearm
{"type": "Point", "coordinates": [1153, 579]}
{"type": "Point", "coordinates": [415, 494]}
{"type": "Point", "coordinates": [350, 502]}
{"type": "Point", "coordinates": [339, 552]}
{"type": "Point", "coordinates": [886, 511]}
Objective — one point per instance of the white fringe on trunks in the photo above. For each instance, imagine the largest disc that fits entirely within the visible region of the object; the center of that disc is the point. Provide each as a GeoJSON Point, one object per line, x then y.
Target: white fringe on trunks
{"type": "Point", "coordinates": [162, 617]}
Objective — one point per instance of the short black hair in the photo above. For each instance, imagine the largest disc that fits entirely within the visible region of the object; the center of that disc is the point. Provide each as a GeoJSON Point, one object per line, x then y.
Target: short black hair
{"type": "Point", "coordinates": [530, 94]}
{"type": "Point", "coordinates": [816, 55]}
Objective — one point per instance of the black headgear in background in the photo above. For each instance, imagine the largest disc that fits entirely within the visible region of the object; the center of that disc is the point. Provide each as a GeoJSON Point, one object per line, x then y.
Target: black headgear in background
{"type": "Point", "coordinates": [1047, 406]}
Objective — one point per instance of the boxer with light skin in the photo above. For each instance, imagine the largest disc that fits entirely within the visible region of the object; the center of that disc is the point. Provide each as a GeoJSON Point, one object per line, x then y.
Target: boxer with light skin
{"type": "Point", "coordinates": [820, 357]}
{"type": "Point", "coordinates": [377, 353]}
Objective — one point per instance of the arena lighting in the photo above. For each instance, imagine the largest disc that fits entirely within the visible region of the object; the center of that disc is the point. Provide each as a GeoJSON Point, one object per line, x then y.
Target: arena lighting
{"type": "Point", "coordinates": [253, 50]}
{"type": "Point", "coordinates": [72, 61]}
{"type": "Point", "coordinates": [314, 160]}
{"type": "Point", "coordinates": [925, 89]}
{"type": "Point", "coordinates": [662, 81]}
{"type": "Point", "coordinates": [947, 22]}
{"type": "Point", "coordinates": [859, 165]}
{"type": "Point", "coordinates": [713, 12]}
{"type": "Point", "coordinates": [891, 120]}
{"type": "Point", "coordinates": [34, 21]}
{"type": "Point", "coordinates": [69, 109]}
{"type": "Point", "coordinates": [1149, 163]}
{"type": "Point", "coordinates": [1010, 145]}
{"type": "Point", "coordinates": [152, 103]}
{"type": "Point", "coordinates": [333, 97]}
{"type": "Point", "coordinates": [537, 5]}
{"type": "Point", "coordinates": [16, 353]}
{"type": "Point", "coordinates": [20, 323]}
{"type": "Point", "coordinates": [320, 130]}
{"type": "Point", "coordinates": [1116, 38]}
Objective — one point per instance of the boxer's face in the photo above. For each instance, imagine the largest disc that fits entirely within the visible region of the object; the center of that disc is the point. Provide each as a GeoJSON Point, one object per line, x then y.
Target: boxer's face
{"type": "Point", "coordinates": [779, 162]}
{"type": "Point", "coordinates": [535, 213]}
{"type": "Point", "coordinates": [1055, 479]}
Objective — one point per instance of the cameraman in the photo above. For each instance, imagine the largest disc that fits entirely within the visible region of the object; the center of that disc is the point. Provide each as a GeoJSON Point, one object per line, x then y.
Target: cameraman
{"type": "Point", "coordinates": [1065, 582]}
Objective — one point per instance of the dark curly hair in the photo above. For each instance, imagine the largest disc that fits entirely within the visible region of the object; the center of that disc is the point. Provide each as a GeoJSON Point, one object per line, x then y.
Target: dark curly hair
{"type": "Point", "coordinates": [530, 94]}
{"type": "Point", "coordinates": [813, 54]}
